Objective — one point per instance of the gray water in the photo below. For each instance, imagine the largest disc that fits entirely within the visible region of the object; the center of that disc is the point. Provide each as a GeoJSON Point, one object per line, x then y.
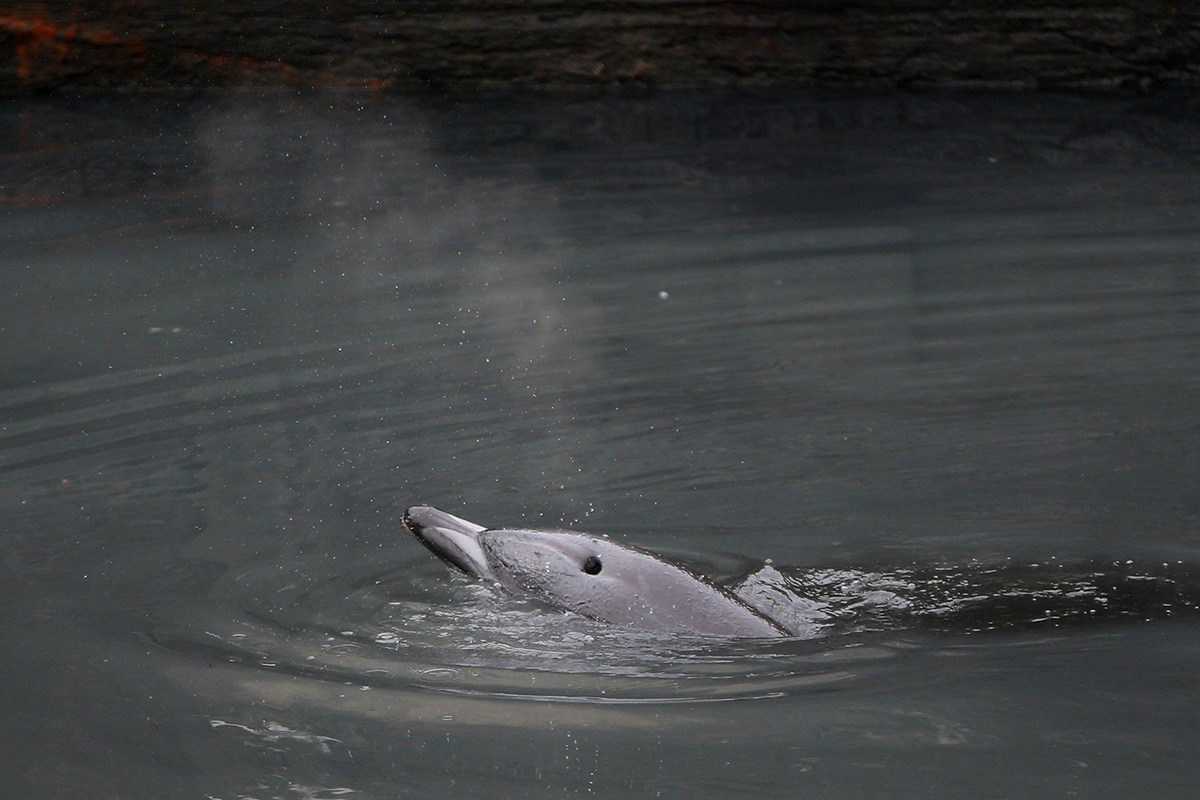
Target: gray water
{"type": "Point", "coordinates": [936, 358]}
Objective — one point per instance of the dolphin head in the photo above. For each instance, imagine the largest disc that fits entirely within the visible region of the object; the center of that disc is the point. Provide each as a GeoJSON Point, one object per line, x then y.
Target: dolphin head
{"type": "Point", "coordinates": [585, 574]}
{"type": "Point", "coordinates": [589, 575]}
{"type": "Point", "coordinates": [603, 580]}
{"type": "Point", "coordinates": [556, 563]}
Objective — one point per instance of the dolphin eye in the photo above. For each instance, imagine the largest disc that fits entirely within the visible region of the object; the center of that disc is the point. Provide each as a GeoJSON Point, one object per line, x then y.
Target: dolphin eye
{"type": "Point", "coordinates": [592, 565]}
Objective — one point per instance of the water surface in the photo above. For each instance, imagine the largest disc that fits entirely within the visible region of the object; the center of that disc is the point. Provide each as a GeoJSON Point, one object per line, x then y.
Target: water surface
{"type": "Point", "coordinates": [935, 358]}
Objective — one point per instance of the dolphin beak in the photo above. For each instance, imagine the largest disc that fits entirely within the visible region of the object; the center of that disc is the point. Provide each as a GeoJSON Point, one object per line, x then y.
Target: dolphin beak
{"type": "Point", "coordinates": [450, 538]}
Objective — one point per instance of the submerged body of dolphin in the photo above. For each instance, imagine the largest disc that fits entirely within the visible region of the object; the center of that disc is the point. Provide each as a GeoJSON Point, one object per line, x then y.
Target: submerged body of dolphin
{"type": "Point", "coordinates": [589, 575]}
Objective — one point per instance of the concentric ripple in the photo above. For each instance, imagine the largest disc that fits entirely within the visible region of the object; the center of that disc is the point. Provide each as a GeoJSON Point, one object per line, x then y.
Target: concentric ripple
{"type": "Point", "coordinates": [415, 626]}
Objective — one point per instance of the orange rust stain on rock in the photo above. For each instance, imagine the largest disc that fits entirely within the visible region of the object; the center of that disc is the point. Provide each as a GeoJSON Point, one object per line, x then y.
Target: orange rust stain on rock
{"type": "Point", "coordinates": [44, 45]}
{"type": "Point", "coordinates": [43, 42]}
{"type": "Point", "coordinates": [264, 71]}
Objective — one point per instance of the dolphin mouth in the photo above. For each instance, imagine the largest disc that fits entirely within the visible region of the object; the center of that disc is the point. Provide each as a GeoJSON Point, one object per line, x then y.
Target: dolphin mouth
{"type": "Point", "coordinates": [450, 538]}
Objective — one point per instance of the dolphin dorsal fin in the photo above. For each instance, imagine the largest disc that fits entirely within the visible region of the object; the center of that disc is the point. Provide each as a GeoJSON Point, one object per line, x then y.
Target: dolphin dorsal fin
{"type": "Point", "coordinates": [769, 592]}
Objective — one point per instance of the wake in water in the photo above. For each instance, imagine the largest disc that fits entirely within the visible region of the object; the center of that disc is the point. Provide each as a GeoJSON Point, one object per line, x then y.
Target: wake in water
{"type": "Point", "coordinates": [418, 627]}
{"type": "Point", "coordinates": [972, 598]}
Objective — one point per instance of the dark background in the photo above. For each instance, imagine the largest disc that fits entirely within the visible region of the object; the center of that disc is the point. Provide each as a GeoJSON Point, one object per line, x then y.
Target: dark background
{"type": "Point", "coordinates": [468, 45]}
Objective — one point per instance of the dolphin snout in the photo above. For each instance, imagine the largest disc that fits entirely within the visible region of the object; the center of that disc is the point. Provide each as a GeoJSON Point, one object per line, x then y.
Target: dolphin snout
{"type": "Point", "coordinates": [450, 538]}
{"type": "Point", "coordinates": [413, 516]}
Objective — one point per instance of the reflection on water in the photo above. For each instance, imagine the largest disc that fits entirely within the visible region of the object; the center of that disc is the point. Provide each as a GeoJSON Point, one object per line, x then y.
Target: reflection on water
{"type": "Point", "coordinates": [935, 359]}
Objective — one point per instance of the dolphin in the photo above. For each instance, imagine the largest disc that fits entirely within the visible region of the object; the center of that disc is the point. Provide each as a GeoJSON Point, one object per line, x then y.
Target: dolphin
{"type": "Point", "coordinates": [590, 576]}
